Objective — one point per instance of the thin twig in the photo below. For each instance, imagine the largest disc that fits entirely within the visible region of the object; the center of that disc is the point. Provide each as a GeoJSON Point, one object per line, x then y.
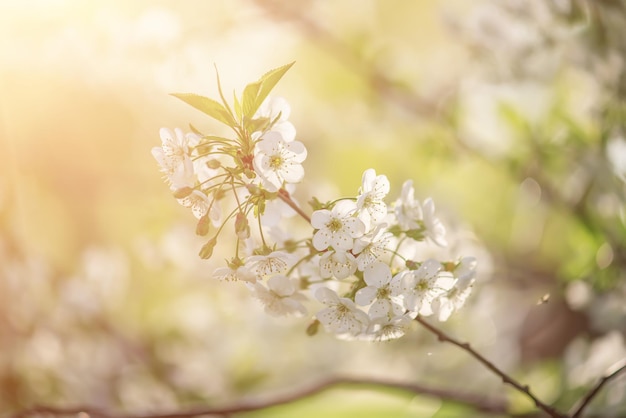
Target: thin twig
{"type": "Point", "coordinates": [582, 404]}
{"type": "Point", "coordinates": [479, 402]}
{"type": "Point", "coordinates": [505, 377]}
{"type": "Point", "coordinates": [285, 197]}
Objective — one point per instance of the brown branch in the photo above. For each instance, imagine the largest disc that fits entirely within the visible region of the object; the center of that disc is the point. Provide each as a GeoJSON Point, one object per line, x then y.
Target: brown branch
{"type": "Point", "coordinates": [285, 197]}
{"type": "Point", "coordinates": [582, 404]}
{"type": "Point", "coordinates": [480, 403]}
{"type": "Point", "coordinates": [505, 377]}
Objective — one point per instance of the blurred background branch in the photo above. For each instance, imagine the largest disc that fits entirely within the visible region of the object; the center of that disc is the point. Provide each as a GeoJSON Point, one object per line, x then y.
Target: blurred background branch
{"type": "Point", "coordinates": [478, 402]}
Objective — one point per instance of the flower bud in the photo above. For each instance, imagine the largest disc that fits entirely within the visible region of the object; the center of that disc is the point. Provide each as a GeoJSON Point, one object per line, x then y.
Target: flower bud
{"type": "Point", "coordinates": [202, 228]}
{"type": "Point", "coordinates": [183, 192]}
{"type": "Point", "coordinates": [449, 266]}
{"type": "Point", "coordinates": [242, 229]}
{"type": "Point", "coordinates": [412, 265]}
{"type": "Point", "coordinates": [313, 327]}
{"type": "Point", "coordinates": [213, 164]}
{"type": "Point", "coordinates": [207, 249]}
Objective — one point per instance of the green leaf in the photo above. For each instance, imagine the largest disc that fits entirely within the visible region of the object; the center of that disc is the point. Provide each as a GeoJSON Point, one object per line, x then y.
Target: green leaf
{"type": "Point", "coordinates": [270, 79]}
{"type": "Point", "coordinates": [258, 124]}
{"type": "Point", "coordinates": [208, 106]}
{"type": "Point", "coordinates": [255, 93]}
{"type": "Point", "coordinates": [219, 89]}
{"type": "Point", "coordinates": [237, 107]}
{"type": "Point", "coordinates": [250, 98]}
{"type": "Point", "coordinates": [195, 130]}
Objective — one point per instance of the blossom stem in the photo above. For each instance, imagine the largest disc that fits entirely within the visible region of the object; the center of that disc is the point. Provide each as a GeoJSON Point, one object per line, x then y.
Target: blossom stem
{"type": "Point", "coordinates": [443, 337]}
{"type": "Point", "coordinates": [261, 231]}
{"type": "Point", "coordinates": [284, 196]}
{"type": "Point", "coordinates": [334, 202]}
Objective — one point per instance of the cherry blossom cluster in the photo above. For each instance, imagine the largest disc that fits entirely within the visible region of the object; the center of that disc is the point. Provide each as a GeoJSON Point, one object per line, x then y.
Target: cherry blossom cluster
{"type": "Point", "coordinates": [358, 268]}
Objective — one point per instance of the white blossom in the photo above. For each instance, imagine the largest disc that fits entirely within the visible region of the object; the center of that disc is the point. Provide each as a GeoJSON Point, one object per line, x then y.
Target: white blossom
{"type": "Point", "coordinates": [277, 161]}
{"type": "Point", "coordinates": [371, 246]}
{"type": "Point", "coordinates": [422, 286]}
{"type": "Point", "coordinates": [199, 204]}
{"type": "Point", "coordinates": [281, 296]}
{"type": "Point", "coordinates": [336, 227]}
{"type": "Point", "coordinates": [174, 158]}
{"type": "Point", "coordinates": [341, 315]}
{"type": "Point", "coordinates": [434, 229]}
{"type": "Point", "coordinates": [455, 298]}
{"type": "Point", "coordinates": [338, 264]}
{"type": "Point", "coordinates": [413, 216]}
{"type": "Point", "coordinates": [407, 209]}
{"type": "Point", "coordinates": [278, 107]}
{"type": "Point", "coordinates": [277, 262]}
{"type": "Point", "coordinates": [370, 202]}
{"type": "Point", "coordinates": [229, 274]}
{"type": "Point", "coordinates": [385, 328]}
{"type": "Point", "coordinates": [382, 291]}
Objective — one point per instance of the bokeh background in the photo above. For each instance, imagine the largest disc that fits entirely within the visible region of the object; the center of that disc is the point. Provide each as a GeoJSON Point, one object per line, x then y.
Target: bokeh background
{"type": "Point", "coordinates": [510, 114]}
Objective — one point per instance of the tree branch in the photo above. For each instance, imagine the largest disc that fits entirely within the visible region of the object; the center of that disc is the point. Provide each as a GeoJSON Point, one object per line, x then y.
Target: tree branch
{"type": "Point", "coordinates": [479, 402]}
{"type": "Point", "coordinates": [582, 404]}
{"type": "Point", "coordinates": [505, 377]}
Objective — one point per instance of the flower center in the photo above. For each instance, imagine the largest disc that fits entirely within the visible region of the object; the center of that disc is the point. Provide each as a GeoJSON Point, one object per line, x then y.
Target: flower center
{"type": "Point", "coordinates": [342, 311]}
{"type": "Point", "coordinates": [422, 285]}
{"type": "Point", "coordinates": [383, 293]}
{"type": "Point", "coordinates": [334, 225]}
{"type": "Point", "coordinates": [276, 161]}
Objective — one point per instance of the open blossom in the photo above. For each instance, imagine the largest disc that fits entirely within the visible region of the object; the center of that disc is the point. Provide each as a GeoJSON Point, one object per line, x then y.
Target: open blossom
{"type": "Point", "coordinates": [452, 300]}
{"type": "Point", "coordinates": [422, 286]}
{"type": "Point", "coordinates": [385, 328]}
{"type": "Point", "coordinates": [341, 315]}
{"type": "Point", "coordinates": [229, 274]}
{"type": "Point", "coordinates": [434, 229]}
{"type": "Point", "coordinates": [281, 296]}
{"type": "Point", "coordinates": [407, 209]}
{"type": "Point", "coordinates": [370, 202]}
{"type": "Point", "coordinates": [382, 291]}
{"type": "Point", "coordinates": [465, 270]}
{"type": "Point", "coordinates": [337, 227]}
{"type": "Point", "coordinates": [413, 216]}
{"type": "Point", "coordinates": [338, 264]}
{"type": "Point", "coordinates": [277, 161]}
{"type": "Point", "coordinates": [371, 246]}
{"type": "Point", "coordinates": [199, 204]}
{"type": "Point", "coordinates": [277, 262]}
{"type": "Point", "coordinates": [175, 145]}
{"type": "Point", "coordinates": [455, 298]}
{"type": "Point", "coordinates": [174, 158]}
{"type": "Point", "coordinates": [278, 107]}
